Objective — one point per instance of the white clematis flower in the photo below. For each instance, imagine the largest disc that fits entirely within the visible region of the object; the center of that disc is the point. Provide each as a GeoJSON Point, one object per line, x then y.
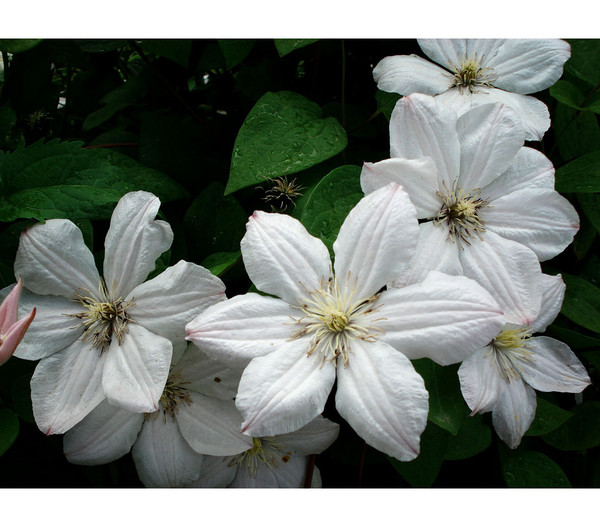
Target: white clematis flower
{"type": "Point", "coordinates": [501, 377]}
{"type": "Point", "coordinates": [196, 415]}
{"type": "Point", "coordinates": [110, 337]}
{"type": "Point", "coordinates": [271, 462]}
{"type": "Point", "coordinates": [484, 194]}
{"type": "Point", "coordinates": [481, 71]}
{"type": "Point", "coordinates": [345, 323]}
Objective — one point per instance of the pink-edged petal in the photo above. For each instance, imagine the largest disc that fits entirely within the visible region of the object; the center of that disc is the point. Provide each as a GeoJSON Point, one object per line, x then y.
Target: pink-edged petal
{"type": "Point", "coordinates": [416, 176]}
{"type": "Point", "coordinates": [105, 434]}
{"type": "Point", "coordinates": [480, 380]}
{"type": "Point", "coordinates": [445, 318]}
{"type": "Point", "coordinates": [136, 370]}
{"type": "Point", "coordinates": [450, 53]}
{"type": "Point", "coordinates": [376, 241]}
{"type": "Point", "coordinates": [162, 457]}
{"type": "Point", "coordinates": [9, 309]}
{"type": "Point", "coordinates": [133, 242]}
{"type": "Point", "coordinates": [212, 426]}
{"type": "Point", "coordinates": [553, 367]}
{"type": "Point", "coordinates": [52, 259]}
{"type": "Point", "coordinates": [553, 293]}
{"type": "Point", "coordinates": [421, 127]}
{"type": "Point", "coordinates": [383, 398]}
{"type": "Point", "coordinates": [285, 390]}
{"type": "Point", "coordinates": [541, 219]}
{"type": "Point", "coordinates": [165, 304]}
{"type": "Point", "coordinates": [509, 271]}
{"type": "Point", "coordinates": [530, 169]}
{"type": "Point", "coordinates": [13, 337]}
{"type": "Point", "coordinates": [313, 438]}
{"type": "Point", "coordinates": [66, 387]}
{"type": "Point", "coordinates": [243, 327]}
{"type": "Point", "coordinates": [490, 137]}
{"type": "Point", "coordinates": [282, 258]}
{"type": "Point", "coordinates": [406, 74]}
{"type": "Point", "coordinates": [514, 411]}
{"type": "Point", "coordinates": [526, 65]}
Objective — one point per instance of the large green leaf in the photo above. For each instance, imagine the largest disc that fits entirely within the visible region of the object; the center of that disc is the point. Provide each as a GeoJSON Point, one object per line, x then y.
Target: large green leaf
{"type": "Point", "coordinates": [590, 204]}
{"type": "Point", "coordinates": [473, 437]}
{"type": "Point", "coordinates": [9, 429]}
{"type": "Point", "coordinates": [218, 263]}
{"type": "Point", "coordinates": [582, 302]}
{"type": "Point", "coordinates": [235, 50]}
{"type": "Point", "coordinates": [18, 45]}
{"type": "Point", "coordinates": [287, 45]}
{"type": "Point", "coordinates": [579, 432]}
{"type": "Point", "coordinates": [567, 93]}
{"type": "Point", "coordinates": [580, 175]}
{"type": "Point", "coordinates": [577, 133]}
{"type": "Point", "coordinates": [532, 469]}
{"type": "Point", "coordinates": [284, 133]}
{"type": "Point", "coordinates": [178, 50]}
{"type": "Point", "coordinates": [386, 102]}
{"type": "Point", "coordinates": [585, 60]}
{"type": "Point", "coordinates": [548, 417]}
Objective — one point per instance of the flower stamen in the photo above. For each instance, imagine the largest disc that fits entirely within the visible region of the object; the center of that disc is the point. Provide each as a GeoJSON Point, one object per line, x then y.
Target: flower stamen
{"type": "Point", "coordinates": [173, 395]}
{"type": "Point", "coordinates": [510, 348]}
{"type": "Point", "coordinates": [264, 450]}
{"type": "Point", "coordinates": [470, 76]}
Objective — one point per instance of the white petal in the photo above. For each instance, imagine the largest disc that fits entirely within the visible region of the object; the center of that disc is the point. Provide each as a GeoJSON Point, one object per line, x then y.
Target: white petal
{"type": "Point", "coordinates": [554, 368]}
{"type": "Point", "coordinates": [66, 386]}
{"type": "Point", "coordinates": [422, 127]}
{"type": "Point", "coordinates": [490, 137]}
{"type": "Point", "coordinates": [163, 458]}
{"type": "Point", "coordinates": [135, 371]}
{"type": "Point", "coordinates": [376, 241]}
{"type": "Point", "coordinates": [133, 242]}
{"type": "Point", "coordinates": [450, 53]}
{"type": "Point", "coordinates": [383, 398]}
{"type": "Point", "coordinates": [289, 474]}
{"type": "Point", "coordinates": [541, 219]}
{"type": "Point", "coordinates": [553, 293]}
{"type": "Point", "coordinates": [105, 434]}
{"type": "Point", "coordinates": [416, 176]}
{"type": "Point", "coordinates": [514, 411]}
{"type": "Point", "coordinates": [406, 74]}
{"type": "Point", "coordinates": [285, 390]}
{"type": "Point", "coordinates": [480, 380]}
{"type": "Point", "coordinates": [167, 303]}
{"type": "Point", "coordinates": [243, 327]}
{"type": "Point", "coordinates": [509, 271]}
{"type": "Point", "coordinates": [216, 472]}
{"type": "Point", "coordinates": [212, 426]}
{"type": "Point", "coordinates": [445, 318]}
{"type": "Point", "coordinates": [282, 258]}
{"type": "Point", "coordinates": [313, 438]}
{"type": "Point", "coordinates": [52, 329]}
{"type": "Point", "coordinates": [52, 259]}
{"type": "Point", "coordinates": [529, 65]}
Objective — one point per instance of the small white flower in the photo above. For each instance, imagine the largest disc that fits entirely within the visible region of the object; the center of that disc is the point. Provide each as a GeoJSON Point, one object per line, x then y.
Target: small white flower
{"type": "Point", "coordinates": [110, 337]}
{"type": "Point", "coordinates": [351, 323]}
{"type": "Point", "coordinates": [480, 71]}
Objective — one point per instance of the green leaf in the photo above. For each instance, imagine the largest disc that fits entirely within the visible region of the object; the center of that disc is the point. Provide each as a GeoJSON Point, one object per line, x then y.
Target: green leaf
{"type": "Point", "coordinates": [584, 239]}
{"type": "Point", "coordinates": [9, 429]}
{"type": "Point", "coordinates": [236, 50]}
{"type": "Point", "coordinates": [287, 45]}
{"type": "Point", "coordinates": [548, 417]}
{"type": "Point", "coordinates": [473, 437]}
{"type": "Point", "coordinates": [283, 134]}
{"type": "Point", "coordinates": [532, 469]}
{"type": "Point", "coordinates": [590, 204]}
{"type": "Point", "coordinates": [580, 432]}
{"type": "Point", "coordinates": [19, 44]}
{"type": "Point", "coordinates": [580, 175]}
{"type": "Point", "coordinates": [593, 357]}
{"type": "Point", "coordinates": [447, 408]}
{"type": "Point", "coordinates": [582, 302]}
{"type": "Point", "coordinates": [178, 50]}
{"type": "Point", "coordinates": [567, 93]}
{"type": "Point", "coordinates": [585, 60]}
{"type": "Point", "coordinates": [330, 202]}
{"type": "Point", "coordinates": [577, 133]}
{"type": "Point", "coordinates": [386, 102]}
{"type": "Point", "coordinates": [574, 339]}
{"type": "Point", "coordinates": [218, 263]}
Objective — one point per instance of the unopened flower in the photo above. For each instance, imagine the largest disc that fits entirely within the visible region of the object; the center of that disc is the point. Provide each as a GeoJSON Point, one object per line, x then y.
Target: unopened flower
{"type": "Point", "coordinates": [12, 329]}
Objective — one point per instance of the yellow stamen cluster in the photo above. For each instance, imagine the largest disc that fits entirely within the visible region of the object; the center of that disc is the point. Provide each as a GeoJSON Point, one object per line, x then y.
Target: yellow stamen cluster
{"type": "Point", "coordinates": [461, 213]}
{"type": "Point", "coordinates": [173, 395]}
{"type": "Point", "coordinates": [510, 348]}
{"type": "Point", "coordinates": [470, 76]}
{"type": "Point", "coordinates": [264, 450]}
{"type": "Point", "coordinates": [282, 194]}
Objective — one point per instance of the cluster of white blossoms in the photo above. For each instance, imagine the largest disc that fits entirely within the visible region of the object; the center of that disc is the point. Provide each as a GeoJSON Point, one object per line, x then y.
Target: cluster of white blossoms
{"type": "Point", "coordinates": [440, 259]}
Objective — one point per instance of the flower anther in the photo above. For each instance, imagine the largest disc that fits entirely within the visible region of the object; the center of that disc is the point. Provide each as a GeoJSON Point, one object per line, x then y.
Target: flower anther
{"type": "Point", "coordinates": [173, 395]}
{"type": "Point", "coordinates": [470, 76]}
{"type": "Point", "coordinates": [265, 450]}
{"type": "Point", "coordinates": [510, 348]}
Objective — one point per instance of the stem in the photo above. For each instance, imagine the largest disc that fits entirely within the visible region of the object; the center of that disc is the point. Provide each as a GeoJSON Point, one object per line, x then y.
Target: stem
{"type": "Point", "coordinates": [310, 468]}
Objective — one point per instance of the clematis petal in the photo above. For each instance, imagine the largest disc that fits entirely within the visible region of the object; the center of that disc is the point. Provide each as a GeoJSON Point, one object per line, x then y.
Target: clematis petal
{"type": "Point", "coordinates": [136, 370]}
{"type": "Point", "coordinates": [514, 411]}
{"type": "Point", "coordinates": [105, 434]}
{"type": "Point", "coordinates": [212, 426]}
{"type": "Point", "coordinates": [541, 219]}
{"type": "Point", "coordinates": [289, 474]}
{"type": "Point", "coordinates": [216, 472]}
{"type": "Point", "coordinates": [421, 127]}
{"type": "Point", "coordinates": [490, 137]}
{"type": "Point", "coordinates": [406, 74]}
{"type": "Point", "coordinates": [445, 318]}
{"type": "Point", "coordinates": [282, 258]}
{"type": "Point", "coordinates": [383, 398]}
{"type": "Point", "coordinates": [416, 176]}
{"type": "Point", "coordinates": [163, 458]}
{"type": "Point", "coordinates": [166, 303]}
{"type": "Point", "coordinates": [554, 367]}
{"type": "Point", "coordinates": [480, 380]}
{"type": "Point", "coordinates": [65, 387]}
{"type": "Point", "coordinates": [243, 327]}
{"type": "Point", "coordinates": [529, 65]}
{"type": "Point", "coordinates": [133, 242]}
{"type": "Point", "coordinates": [376, 241]}
{"type": "Point", "coordinates": [553, 293]}
{"type": "Point", "coordinates": [509, 271]}
{"type": "Point", "coordinates": [52, 259]}
{"type": "Point", "coordinates": [313, 438]}
{"type": "Point", "coordinates": [450, 53]}
{"type": "Point", "coordinates": [283, 391]}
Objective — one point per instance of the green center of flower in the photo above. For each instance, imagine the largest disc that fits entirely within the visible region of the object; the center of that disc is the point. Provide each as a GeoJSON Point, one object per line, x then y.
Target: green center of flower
{"type": "Point", "coordinates": [461, 213]}
{"type": "Point", "coordinates": [174, 394]}
{"type": "Point", "coordinates": [470, 76]}
{"type": "Point", "coordinates": [511, 347]}
{"type": "Point", "coordinates": [265, 450]}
